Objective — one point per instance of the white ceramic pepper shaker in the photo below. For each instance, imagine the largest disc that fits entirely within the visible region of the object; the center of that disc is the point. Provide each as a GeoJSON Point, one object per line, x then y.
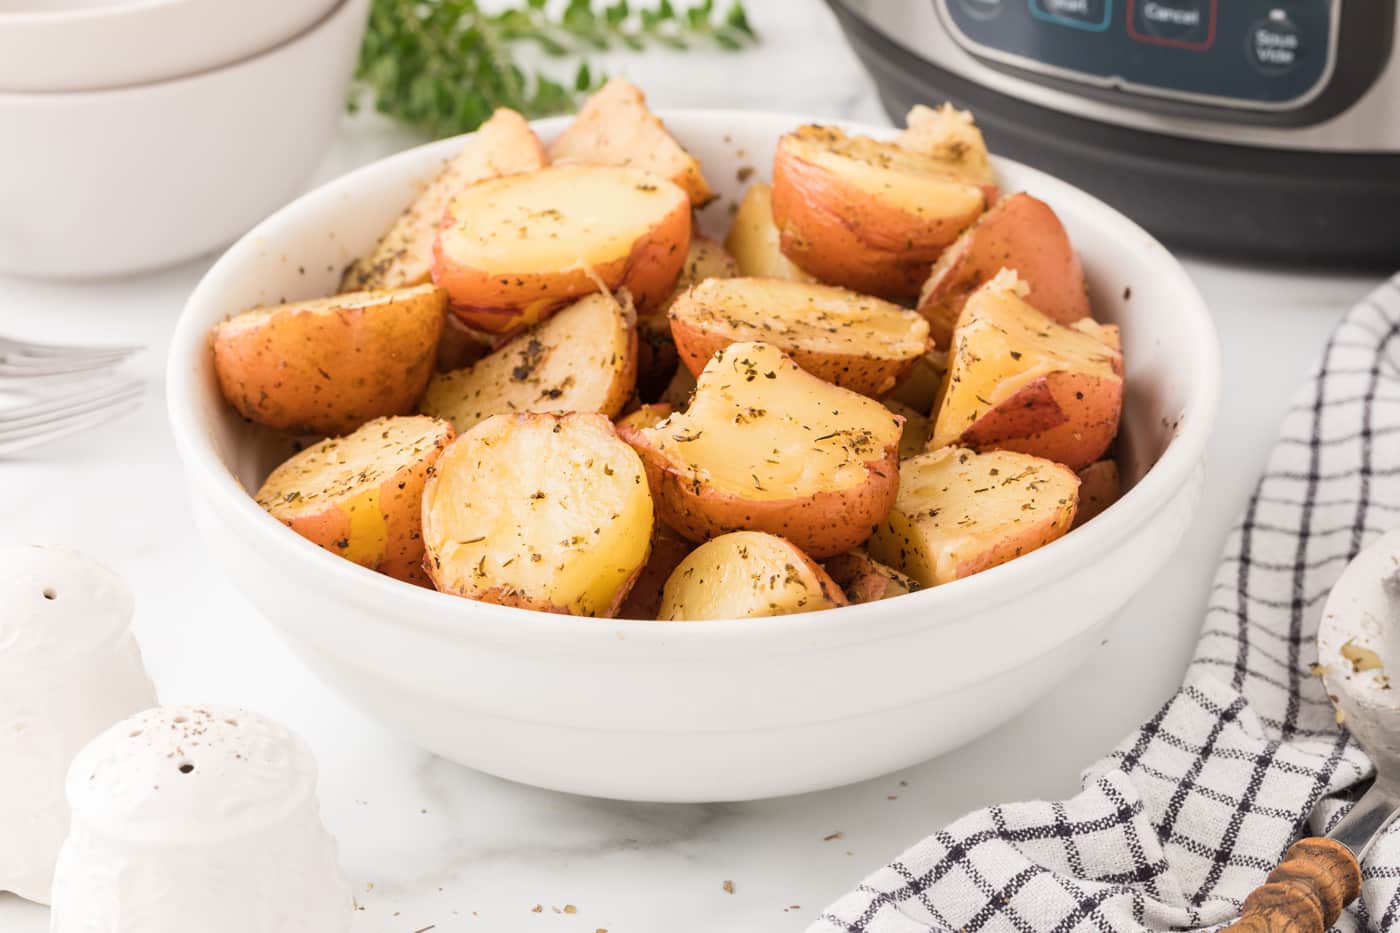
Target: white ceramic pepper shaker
{"type": "Point", "coordinates": [69, 668]}
{"type": "Point", "coordinates": [194, 818]}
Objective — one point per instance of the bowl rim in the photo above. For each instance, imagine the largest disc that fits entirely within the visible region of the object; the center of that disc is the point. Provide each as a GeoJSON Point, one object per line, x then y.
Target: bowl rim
{"type": "Point", "coordinates": [333, 11]}
{"type": "Point", "coordinates": [455, 617]}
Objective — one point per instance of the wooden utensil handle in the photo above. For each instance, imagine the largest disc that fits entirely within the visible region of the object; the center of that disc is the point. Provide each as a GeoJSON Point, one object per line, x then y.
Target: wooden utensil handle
{"type": "Point", "coordinates": [1306, 893]}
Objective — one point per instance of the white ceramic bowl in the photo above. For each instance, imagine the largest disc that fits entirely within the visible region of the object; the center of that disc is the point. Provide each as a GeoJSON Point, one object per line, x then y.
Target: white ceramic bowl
{"type": "Point", "coordinates": [83, 45]}
{"type": "Point", "coordinates": [108, 182]}
{"type": "Point", "coordinates": [699, 711]}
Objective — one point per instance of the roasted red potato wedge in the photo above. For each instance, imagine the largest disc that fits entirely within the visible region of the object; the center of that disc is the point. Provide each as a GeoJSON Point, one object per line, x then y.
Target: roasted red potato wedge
{"type": "Point", "coordinates": [850, 340]}
{"type": "Point", "coordinates": [746, 575]}
{"type": "Point", "coordinates": [1099, 487]}
{"type": "Point", "coordinates": [541, 511]}
{"type": "Point", "coordinates": [582, 359]}
{"type": "Point", "coordinates": [328, 365]}
{"type": "Point", "coordinates": [951, 136]}
{"type": "Point", "coordinates": [961, 512]}
{"type": "Point", "coordinates": [1018, 381]}
{"type": "Point", "coordinates": [361, 496]}
{"type": "Point", "coordinates": [865, 214]}
{"type": "Point", "coordinates": [615, 127]}
{"type": "Point", "coordinates": [865, 580]}
{"type": "Point", "coordinates": [766, 446]}
{"type": "Point", "coordinates": [668, 549]}
{"type": "Point", "coordinates": [512, 250]}
{"type": "Point", "coordinates": [502, 145]}
{"type": "Point", "coordinates": [753, 239]}
{"type": "Point", "coordinates": [1019, 233]}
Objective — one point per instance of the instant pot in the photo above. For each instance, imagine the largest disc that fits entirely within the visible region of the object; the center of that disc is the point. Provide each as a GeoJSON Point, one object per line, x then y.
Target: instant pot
{"type": "Point", "coordinates": [1253, 129]}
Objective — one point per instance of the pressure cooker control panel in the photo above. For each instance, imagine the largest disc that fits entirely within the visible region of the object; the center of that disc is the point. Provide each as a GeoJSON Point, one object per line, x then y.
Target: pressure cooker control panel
{"type": "Point", "coordinates": [1250, 54]}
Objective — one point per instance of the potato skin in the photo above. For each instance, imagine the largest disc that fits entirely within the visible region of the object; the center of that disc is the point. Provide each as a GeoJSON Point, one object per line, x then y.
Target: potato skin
{"type": "Point", "coordinates": [380, 527]}
{"type": "Point", "coordinates": [500, 301]}
{"type": "Point", "coordinates": [823, 524]}
{"type": "Point", "coordinates": [328, 366]}
{"type": "Point", "coordinates": [1021, 233]}
{"type": "Point", "coordinates": [845, 236]}
{"type": "Point", "coordinates": [1070, 418]}
{"type": "Point", "coordinates": [822, 242]}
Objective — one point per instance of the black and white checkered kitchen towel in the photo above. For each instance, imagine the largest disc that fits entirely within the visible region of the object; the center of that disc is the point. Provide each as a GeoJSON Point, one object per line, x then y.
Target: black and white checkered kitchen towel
{"type": "Point", "coordinates": [1189, 814]}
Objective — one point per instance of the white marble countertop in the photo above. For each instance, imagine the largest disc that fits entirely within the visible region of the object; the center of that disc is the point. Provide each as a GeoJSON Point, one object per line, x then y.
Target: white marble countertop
{"type": "Point", "coordinates": [429, 843]}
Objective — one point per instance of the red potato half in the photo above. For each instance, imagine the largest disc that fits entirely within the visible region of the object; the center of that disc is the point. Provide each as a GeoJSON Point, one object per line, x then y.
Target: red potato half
{"type": "Point", "coordinates": [1018, 381]}
{"type": "Point", "coordinates": [747, 575]}
{"type": "Point", "coordinates": [961, 512]}
{"type": "Point", "coordinates": [848, 339]}
{"type": "Point", "coordinates": [539, 511]}
{"type": "Point", "coordinates": [754, 242]}
{"type": "Point", "coordinates": [512, 250]}
{"type": "Point", "coordinates": [361, 496]}
{"type": "Point", "coordinates": [865, 580]}
{"type": "Point", "coordinates": [582, 359]}
{"type": "Point", "coordinates": [1019, 233]}
{"type": "Point", "coordinates": [328, 365]}
{"type": "Point", "coordinates": [615, 127]}
{"type": "Point", "coordinates": [502, 145]}
{"type": "Point", "coordinates": [868, 215]}
{"type": "Point", "coordinates": [765, 446]}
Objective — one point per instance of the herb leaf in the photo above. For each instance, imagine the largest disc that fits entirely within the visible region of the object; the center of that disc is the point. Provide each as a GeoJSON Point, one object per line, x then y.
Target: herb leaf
{"type": "Point", "coordinates": [445, 65]}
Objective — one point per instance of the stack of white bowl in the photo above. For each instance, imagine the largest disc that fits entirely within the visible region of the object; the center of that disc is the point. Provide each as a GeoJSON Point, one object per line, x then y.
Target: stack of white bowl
{"type": "Point", "coordinates": [138, 133]}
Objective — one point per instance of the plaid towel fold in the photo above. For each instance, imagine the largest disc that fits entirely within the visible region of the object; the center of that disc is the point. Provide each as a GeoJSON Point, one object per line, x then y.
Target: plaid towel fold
{"type": "Point", "coordinates": [1190, 813]}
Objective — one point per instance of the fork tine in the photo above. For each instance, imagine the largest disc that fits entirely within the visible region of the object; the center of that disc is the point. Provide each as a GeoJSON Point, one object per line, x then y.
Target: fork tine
{"type": "Point", "coordinates": [39, 367]}
{"type": "Point", "coordinates": [10, 344]}
{"type": "Point", "coordinates": [24, 421]}
{"type": "Point", "coordinates": [88, 390]}
{"type": "Point", "coordinates": [54, 430]}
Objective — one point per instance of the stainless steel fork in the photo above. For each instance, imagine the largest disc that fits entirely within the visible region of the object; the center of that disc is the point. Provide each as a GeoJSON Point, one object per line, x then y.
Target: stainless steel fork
{"type": "Point", "coordinates": [31, 362]}
{"type": "Point", "coordinates": [61, 389]}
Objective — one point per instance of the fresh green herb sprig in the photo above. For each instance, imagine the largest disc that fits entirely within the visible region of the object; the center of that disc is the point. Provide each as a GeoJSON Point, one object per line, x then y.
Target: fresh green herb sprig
{"type": "Point", "coordinates": [445, 65]}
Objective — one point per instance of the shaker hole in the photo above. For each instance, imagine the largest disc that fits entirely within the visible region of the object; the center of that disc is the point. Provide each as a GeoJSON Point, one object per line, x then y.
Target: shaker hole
{"type": "Point", "coordinates": [50, 593]}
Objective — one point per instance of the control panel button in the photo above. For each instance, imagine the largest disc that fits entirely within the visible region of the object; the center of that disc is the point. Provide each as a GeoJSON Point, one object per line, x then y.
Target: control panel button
{"type": "Point", "coordinates": [1274, 44]}
{"type": "Point", "coordinates": [1188, 24]}
{"type": "Point", "coordinates": [1093, 15]}
{"type": "Point", "coordinates": [982, 9]}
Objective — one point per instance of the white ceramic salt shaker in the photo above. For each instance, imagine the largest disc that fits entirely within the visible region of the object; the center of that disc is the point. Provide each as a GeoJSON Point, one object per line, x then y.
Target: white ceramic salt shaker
{"type": "Point", "coordinates": [195, 818]}
{"type": "Point", "coordinates": [69, 668]}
